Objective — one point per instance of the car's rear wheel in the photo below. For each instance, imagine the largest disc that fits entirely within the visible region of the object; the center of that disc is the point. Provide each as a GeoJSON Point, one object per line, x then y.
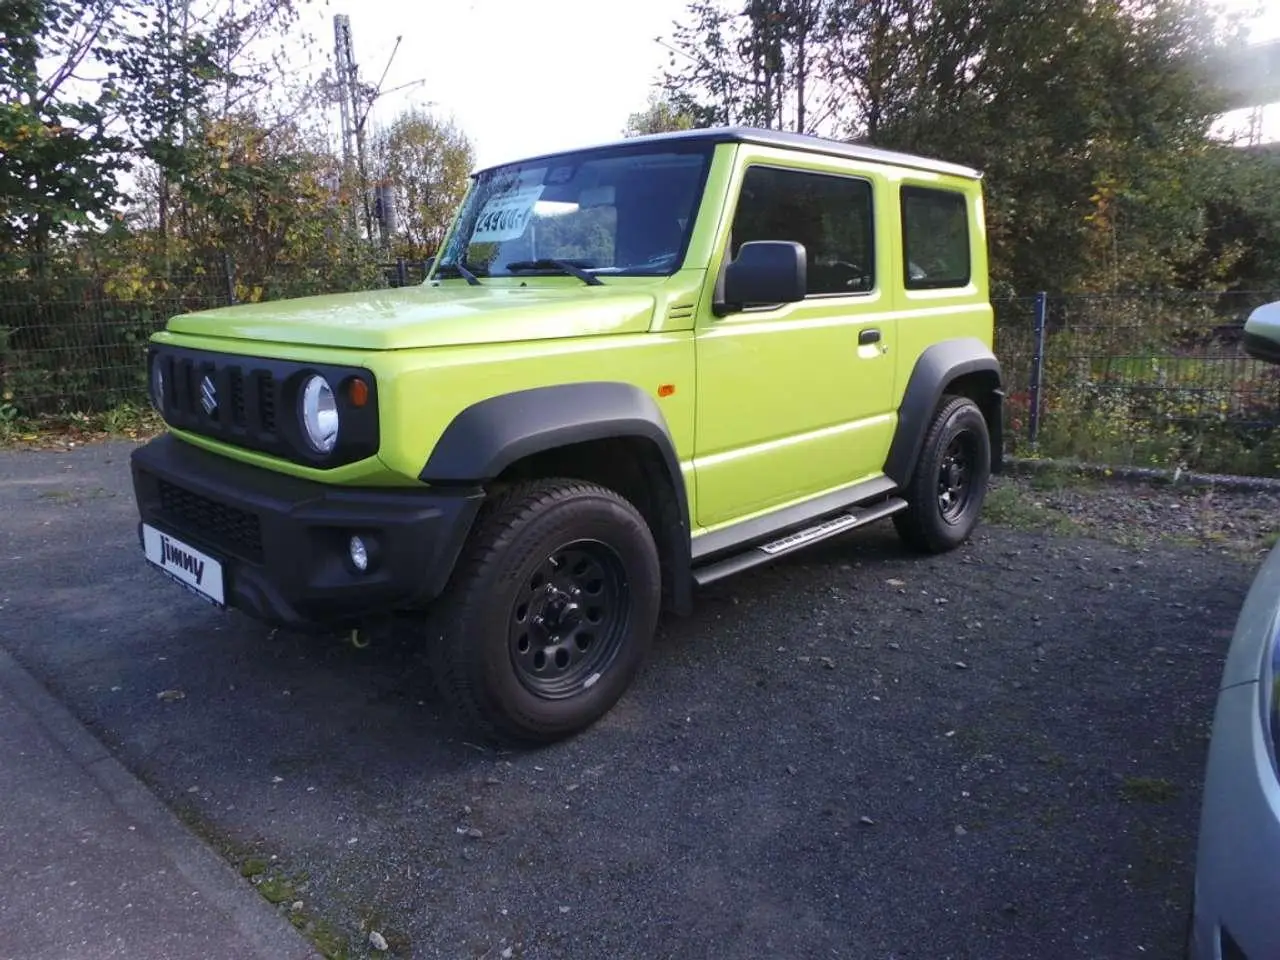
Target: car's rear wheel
{"type": "Point", "coordinates": [947, 490]}
{"type": "Point", "coordinates": [550, 612]}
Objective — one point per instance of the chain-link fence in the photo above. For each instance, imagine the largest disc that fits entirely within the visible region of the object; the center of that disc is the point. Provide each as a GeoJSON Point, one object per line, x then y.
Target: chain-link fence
{"type": "Point", "coordinates": [1156, 379]}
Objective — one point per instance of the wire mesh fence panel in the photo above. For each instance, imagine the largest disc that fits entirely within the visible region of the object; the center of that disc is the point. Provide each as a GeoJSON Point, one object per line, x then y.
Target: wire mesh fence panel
{"type": "Point", "coordinates": [1015, 348]}
{"type": "Point", "coordinates": [1159, 380]}
{"type": "Point", "coordinates": [1144, 379]}
{"type": "Point", "coordinates": [77, 344]}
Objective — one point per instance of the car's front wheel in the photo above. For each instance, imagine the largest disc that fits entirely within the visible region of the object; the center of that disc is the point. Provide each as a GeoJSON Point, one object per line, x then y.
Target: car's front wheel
{"type": "Point", "coordinates": [550, 612]}
{"type": "Point", "coordinates": [947, 490]}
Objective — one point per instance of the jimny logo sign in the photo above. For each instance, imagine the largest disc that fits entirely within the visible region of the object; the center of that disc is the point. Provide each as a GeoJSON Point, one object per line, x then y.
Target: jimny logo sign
{"type": "Point", "coordinates": [172, 555]}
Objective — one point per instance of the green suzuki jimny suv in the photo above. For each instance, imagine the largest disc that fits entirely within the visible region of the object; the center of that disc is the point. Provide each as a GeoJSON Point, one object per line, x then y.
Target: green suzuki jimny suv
{"type": "Point", "coordinates": [634, 369]}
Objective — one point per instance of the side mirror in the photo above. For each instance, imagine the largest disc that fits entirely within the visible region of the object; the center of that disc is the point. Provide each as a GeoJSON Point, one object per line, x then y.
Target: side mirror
{"type": "Point", "coordinates": [765, 271]}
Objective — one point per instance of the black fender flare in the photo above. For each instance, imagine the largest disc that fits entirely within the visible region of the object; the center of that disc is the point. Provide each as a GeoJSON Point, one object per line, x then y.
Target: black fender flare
{"type": "Point", "coordinates": [937, 367]}
{"type": "Point", "coordinates": [491, 434]}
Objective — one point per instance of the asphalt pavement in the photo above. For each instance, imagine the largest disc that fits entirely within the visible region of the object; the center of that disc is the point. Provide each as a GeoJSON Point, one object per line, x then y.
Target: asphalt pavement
{"type": "Point", "coordinates": [95, 868]}
{"type": "Point", "coordinates": [855, 753]}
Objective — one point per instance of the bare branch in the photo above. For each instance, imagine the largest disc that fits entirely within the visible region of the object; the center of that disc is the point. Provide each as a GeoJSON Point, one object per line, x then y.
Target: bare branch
{"type": "Point", "coordinates": [78, 48]}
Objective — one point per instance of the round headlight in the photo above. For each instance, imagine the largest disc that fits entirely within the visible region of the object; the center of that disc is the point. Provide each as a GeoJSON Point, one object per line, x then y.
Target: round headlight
{"type": "Point", "coordinates": [320, 414]}
{"type": "Point", "coordinates": [157, 384]}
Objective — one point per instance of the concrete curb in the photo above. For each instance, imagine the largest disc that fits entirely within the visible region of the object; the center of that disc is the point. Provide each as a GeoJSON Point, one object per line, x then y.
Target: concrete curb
{"type": "Point", "coordinates": [1029, 465]}
{"type": "Point", "coordinates": [262, 928]}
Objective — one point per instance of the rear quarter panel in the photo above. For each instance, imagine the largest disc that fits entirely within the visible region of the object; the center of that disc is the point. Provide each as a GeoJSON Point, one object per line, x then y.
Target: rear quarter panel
{"type": "Point", "coordinates": [926, 317]}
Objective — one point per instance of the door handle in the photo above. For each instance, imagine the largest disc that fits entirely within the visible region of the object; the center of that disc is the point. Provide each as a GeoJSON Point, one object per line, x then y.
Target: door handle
{"type": "Point", "coordinates": [870, 335]}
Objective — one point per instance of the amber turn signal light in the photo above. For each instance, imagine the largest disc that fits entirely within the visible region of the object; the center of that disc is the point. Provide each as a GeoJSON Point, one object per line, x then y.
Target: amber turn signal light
{"type": "Point", "coordinates": [358, 392]}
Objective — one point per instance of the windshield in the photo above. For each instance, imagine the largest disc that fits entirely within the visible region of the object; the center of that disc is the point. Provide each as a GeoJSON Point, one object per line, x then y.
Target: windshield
{"type": "Point", "coordinates": [618, 210]}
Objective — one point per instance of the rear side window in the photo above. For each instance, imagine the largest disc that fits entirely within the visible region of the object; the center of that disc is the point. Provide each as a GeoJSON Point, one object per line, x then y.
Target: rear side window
{"type": "Point", "coordinates": [829, 214]}
{"type": "Point", "coordinates": [935, 237]}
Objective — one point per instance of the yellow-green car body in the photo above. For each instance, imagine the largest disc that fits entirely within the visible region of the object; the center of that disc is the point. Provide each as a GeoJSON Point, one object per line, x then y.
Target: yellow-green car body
{"type": "Point", "coordinates": [746, 338]}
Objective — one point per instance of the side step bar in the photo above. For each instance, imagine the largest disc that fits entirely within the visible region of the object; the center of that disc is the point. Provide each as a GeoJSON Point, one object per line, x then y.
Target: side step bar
{"type": "Point", "coordinates": [824, 530]}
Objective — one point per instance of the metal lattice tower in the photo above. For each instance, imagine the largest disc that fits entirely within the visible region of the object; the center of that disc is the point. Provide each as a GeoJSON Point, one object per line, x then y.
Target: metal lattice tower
{"type": "Point", "coordinates": [349, 106]}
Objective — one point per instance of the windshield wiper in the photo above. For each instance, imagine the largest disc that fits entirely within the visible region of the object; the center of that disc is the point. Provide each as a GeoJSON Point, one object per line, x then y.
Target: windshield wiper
{"type": "Point", "coordinates": [551, 263]}
{"type": "Point", "coordinates": [463, 272]}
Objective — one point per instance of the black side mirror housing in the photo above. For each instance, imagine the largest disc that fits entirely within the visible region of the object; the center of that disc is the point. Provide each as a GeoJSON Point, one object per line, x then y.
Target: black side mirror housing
{"type": "Point", "coordinates": [765, 272]}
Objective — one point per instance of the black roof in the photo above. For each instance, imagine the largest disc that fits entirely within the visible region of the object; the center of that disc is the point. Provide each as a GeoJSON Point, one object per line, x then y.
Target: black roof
{"type": "Point", "coordinates": [786, 140]}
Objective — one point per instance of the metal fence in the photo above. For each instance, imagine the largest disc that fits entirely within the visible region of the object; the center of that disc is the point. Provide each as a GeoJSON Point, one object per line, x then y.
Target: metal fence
{"type": "Point", "coordinates": [77, 344]}
{"type": "Point", "coordinates": [1156, 379]}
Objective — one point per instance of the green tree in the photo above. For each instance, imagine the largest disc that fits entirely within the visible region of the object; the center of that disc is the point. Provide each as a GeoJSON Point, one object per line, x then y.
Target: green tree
{"type": "Point", "coordinates": [1241, 250]}
{"type": "Point", "coordinates": [58, 163]}
{"type": "Point", "coordinates": [662, 115]}
{"type": "Point", "coordinates": [263, 194]}
{"type": "Point", "coordinates": [156, 71]}
{"type": "Point", "coordinates": [758, 66]}
{"type": "Point", "coordinates": [1090, 118]}
{"type": "Point", "coordinates": [181, 64]}
{"type": "Point", "coordinates": [427, 162]}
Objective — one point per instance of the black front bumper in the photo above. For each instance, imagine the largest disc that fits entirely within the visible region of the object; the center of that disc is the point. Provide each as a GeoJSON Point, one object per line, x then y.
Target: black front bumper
{"type": "Point", "coordinates": [284, 542]}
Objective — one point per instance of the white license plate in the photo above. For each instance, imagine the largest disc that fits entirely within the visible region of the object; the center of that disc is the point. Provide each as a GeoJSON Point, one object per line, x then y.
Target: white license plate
{"type": "Point", "coordinates": [184, 563]}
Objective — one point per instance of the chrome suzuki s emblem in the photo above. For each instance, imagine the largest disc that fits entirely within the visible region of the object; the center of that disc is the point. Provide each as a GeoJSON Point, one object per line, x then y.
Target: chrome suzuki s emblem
{"type": "Point", "coordinates": [208, 396]}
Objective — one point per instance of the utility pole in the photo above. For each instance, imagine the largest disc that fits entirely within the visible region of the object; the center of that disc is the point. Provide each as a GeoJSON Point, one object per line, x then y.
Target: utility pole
{"type": "Point", "coordinates": [352, 127]}
{"type": "Point", "coordinates": [355, 111]}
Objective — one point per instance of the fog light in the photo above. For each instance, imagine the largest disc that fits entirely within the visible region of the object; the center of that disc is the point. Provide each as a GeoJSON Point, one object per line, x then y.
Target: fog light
{"type": "Point", "coordinates": [359, 554]}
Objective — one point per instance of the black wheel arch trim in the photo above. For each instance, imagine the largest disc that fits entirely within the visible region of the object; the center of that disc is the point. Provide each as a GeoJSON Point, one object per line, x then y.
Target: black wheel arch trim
{"type": "Point", "coordinates": [937, 367]}
{"type": "Point", "coordinates": [492, 434]}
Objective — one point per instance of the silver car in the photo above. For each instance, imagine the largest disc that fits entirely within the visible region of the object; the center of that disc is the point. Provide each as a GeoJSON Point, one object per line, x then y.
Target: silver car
{"type": "Point", "coordinates": [1237, 879]}
{"type": "Point", "coordinates": [1234, 903]}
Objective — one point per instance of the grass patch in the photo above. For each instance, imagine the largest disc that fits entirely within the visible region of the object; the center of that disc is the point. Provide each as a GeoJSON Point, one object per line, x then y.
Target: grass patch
{"type": "Point", "coordinates": [1050, 479]}
{"type": "Point", "coordinates": [1148, 790]}
{"type": "Point", "coordinates": [128, 421]}
{"type": "Point", "coordinates": [252, 867]}
{"type": "Point", "coordinates": [275, 888]}
{"type": "Point", "coordinates": [1007, 505]}
{"type": "Point", "coordinates": [332, 943]}
{"type": "Point", "coordinates": [272, 883]}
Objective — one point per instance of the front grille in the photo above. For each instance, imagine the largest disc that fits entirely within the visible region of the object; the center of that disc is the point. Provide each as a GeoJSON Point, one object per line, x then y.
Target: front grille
{"type": "Point", "coordinates": [267, 403]}
{"type": "Point", "coordinates": [230, 528]}
{"type": "Point", "coordinates": [245, 401]}
{"type": "Point", "coordinates": [238, 411]}
{"type": "Point", "coordinates": [222, 397]}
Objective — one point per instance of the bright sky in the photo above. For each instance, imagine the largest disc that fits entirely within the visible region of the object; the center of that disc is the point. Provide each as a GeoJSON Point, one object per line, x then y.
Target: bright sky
{"type": "Point", "coordinates": [1264, 26]}
{"type": "Point", "coordinates": [519, 77]}
{"type": "Point", "coordinates": [525, 77]}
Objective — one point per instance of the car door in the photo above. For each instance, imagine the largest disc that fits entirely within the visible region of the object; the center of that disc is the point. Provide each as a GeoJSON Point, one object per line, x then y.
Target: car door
{"type": "Point", "coordinates": [793, 399]}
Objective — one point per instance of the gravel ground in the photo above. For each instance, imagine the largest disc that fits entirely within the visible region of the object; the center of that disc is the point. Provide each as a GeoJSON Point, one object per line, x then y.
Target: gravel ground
{"type": "Point", "coordinates": [854, 753]}
{"type": "Point", "coordinates": [1239, 523]}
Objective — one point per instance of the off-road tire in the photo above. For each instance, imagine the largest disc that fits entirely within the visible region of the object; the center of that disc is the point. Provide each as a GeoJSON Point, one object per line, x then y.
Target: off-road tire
{"type": "Point", "coordinates": [927, 525]}
{"type": "Point", "coordinates": [477, 658]}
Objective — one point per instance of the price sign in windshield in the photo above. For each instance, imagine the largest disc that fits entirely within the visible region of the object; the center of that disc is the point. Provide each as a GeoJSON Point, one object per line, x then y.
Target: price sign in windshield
{"type": "Point", "coordinates": [505, 216]}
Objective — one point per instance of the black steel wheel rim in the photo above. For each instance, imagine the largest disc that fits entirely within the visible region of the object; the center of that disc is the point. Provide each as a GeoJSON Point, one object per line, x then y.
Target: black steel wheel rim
{"type": "Point", "coordinates": [955, 476]}
{"type": "Point", "coordinates": [569, 619]}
